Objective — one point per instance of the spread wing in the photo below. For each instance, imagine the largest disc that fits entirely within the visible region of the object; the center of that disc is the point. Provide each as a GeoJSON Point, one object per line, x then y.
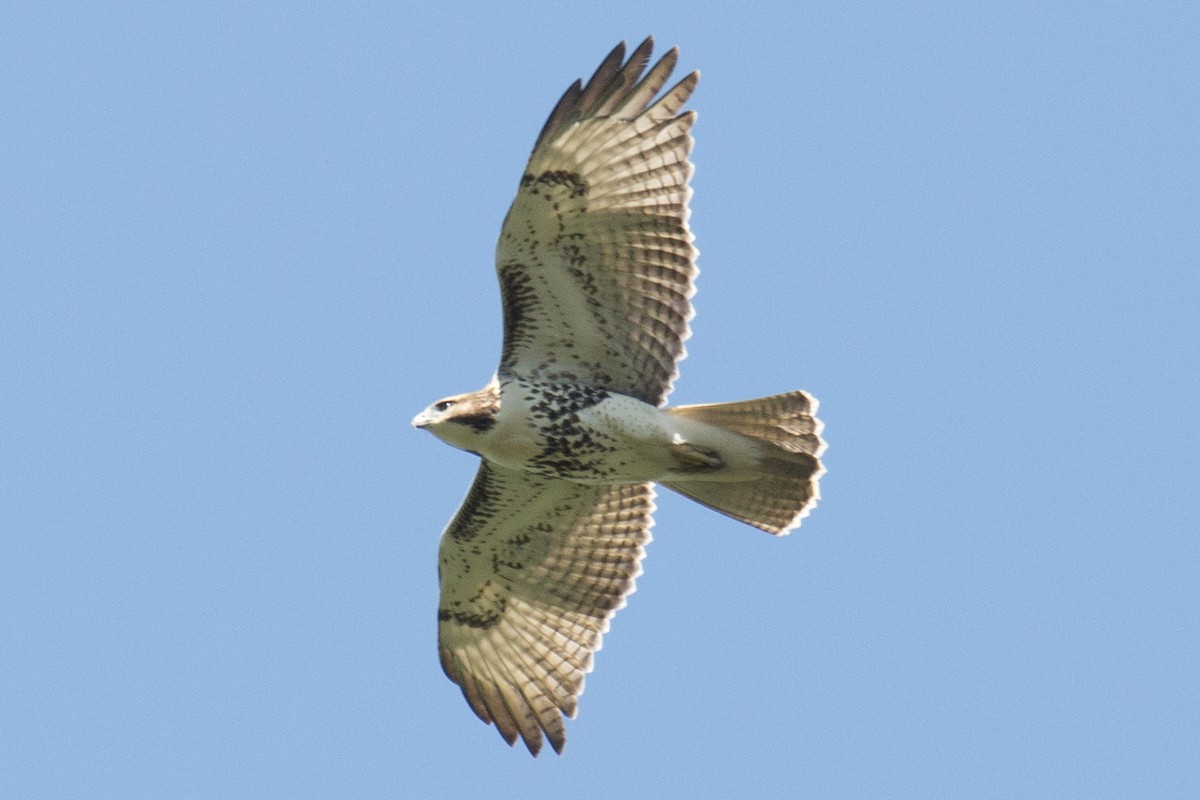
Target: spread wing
{"type": "Point", "coordinates": [595, 259]}
{"type": "Point", "coordinates": [531, 572]}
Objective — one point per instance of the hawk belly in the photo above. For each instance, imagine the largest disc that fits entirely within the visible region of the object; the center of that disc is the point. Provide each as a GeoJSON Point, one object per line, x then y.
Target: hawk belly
{"type": "Point", "coordinates": [589, 435]}
{"type": "Point", "coordinates": [580, 433]}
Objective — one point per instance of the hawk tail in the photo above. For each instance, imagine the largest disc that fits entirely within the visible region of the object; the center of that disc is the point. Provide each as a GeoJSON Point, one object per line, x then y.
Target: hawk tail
{"type": "Point", "coordinates": [768, 473]}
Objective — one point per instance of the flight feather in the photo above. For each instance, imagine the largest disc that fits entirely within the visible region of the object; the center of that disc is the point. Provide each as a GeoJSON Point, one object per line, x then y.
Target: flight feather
{"type": "Point", "coordinates": [531, 571]}
{"type": "Point", "coordinates": [595, 258]}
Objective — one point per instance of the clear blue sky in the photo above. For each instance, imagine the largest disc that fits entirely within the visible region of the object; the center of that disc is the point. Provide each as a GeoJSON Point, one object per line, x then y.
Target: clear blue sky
{"type": "Point", "coordinates": [242, 244]}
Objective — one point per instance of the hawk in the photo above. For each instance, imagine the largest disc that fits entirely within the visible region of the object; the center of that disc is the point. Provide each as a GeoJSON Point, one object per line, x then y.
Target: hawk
{"type": "Point", "coordinates": [597, 270]}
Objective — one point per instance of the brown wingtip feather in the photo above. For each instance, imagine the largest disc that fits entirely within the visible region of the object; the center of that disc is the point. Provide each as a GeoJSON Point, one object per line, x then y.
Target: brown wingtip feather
{"type": "Point", "coordinates": [615, 88]}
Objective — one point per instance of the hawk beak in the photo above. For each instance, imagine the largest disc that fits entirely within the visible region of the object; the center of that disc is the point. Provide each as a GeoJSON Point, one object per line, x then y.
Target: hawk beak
{"type": "Point", "coordinates": [420, 420]}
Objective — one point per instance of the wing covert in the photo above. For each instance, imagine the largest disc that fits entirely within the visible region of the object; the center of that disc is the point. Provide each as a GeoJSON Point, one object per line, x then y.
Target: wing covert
{"type": "Point", "coordinates": [531, 572]}
{"type": "Point", "coordinates": [595, 259]}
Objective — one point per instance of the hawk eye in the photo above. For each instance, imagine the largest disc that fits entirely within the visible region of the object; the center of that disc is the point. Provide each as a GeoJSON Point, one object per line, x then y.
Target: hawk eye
{"type": "Point", "coordinates": [442, 405]}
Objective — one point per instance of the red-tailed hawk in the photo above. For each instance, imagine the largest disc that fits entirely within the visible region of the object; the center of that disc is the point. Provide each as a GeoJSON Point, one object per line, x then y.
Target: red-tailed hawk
{"type": "Point", "coordinates": [596, 269]}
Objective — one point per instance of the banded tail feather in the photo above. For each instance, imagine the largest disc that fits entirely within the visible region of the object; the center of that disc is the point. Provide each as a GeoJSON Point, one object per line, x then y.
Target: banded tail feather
{"type": "Point", "coordinates": [777, 487]}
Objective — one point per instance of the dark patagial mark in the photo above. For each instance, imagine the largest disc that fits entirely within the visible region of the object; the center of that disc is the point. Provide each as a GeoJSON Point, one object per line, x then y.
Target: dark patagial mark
{"type": "Point", "coordinates": [520, 300]}
{"type": "Point", "coordinates": [478, 508]}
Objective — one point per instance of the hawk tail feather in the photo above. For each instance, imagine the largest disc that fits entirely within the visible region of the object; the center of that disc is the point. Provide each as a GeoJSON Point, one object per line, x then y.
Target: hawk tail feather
{"type": "Point", "coordinates": [777, 486]}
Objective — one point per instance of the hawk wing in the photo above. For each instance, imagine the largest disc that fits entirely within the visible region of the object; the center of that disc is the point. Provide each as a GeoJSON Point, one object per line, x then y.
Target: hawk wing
{"type": "Point", "coordinates": [531, 572]}
{"type": "Point", "coordinates": [595, 258]}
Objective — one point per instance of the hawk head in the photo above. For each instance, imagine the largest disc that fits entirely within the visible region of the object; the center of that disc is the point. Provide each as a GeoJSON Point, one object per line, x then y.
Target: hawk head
{"type": "Point", "coordinates": [462, 419]}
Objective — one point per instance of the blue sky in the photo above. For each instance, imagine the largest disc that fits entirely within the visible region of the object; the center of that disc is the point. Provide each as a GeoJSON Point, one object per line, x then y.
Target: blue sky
{"type": "Point", "coordinates": [241, 245]}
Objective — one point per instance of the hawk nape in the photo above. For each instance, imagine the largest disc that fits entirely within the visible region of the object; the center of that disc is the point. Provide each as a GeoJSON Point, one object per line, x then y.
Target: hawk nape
{"type": "Point", "coordinates": [596, 270]}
